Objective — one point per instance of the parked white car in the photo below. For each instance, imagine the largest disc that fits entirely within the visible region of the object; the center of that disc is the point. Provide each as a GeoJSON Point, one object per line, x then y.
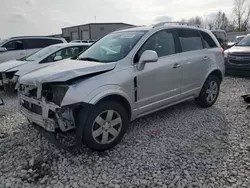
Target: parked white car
{"type": "Point", "coordinates": [82, 41]}
{"type": "Point", "coordinates": [11, 70]}
{"type": "Point", "coordinates": [18, 47]}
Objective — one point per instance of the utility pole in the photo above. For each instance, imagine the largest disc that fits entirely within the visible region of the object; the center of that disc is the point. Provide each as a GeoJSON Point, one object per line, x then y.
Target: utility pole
{"type": "Point", "coordinates": [95, 19]}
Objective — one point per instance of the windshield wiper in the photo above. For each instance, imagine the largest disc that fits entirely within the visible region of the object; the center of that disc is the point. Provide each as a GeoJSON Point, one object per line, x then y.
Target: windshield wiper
{"type": "Point", "coordinates": [89, 59]}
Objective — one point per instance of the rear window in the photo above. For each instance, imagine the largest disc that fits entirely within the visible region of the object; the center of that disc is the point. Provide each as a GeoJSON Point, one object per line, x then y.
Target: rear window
{"type": "Point", "coordinates": [190, 40]}
{"type": "Point", "coordinates": [40, 43]}
{"type": "Point", "coordinates": [220, 35]}
{"type": "Point", "coordinates": [208, 41]}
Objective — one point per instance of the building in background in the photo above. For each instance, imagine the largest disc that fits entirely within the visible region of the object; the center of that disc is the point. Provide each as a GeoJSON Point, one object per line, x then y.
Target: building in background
{"type": "Point", "coordinates": [91, 31]}
{"type": "Point", "coordinates": [56, 35]}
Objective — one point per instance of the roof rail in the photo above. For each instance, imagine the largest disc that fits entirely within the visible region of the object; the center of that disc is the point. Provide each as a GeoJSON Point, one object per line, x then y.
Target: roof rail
{"type": "Point", "coordinates": [35, 36]}
{"type": "Point", "coordinates": [126, 27]}
{"type": "Point", "coordinates": [174, 23]}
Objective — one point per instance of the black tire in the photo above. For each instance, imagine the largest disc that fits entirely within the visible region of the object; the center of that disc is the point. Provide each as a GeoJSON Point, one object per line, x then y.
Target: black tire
{"type": "Point", "coordinates": [202, 99]}
{"type": "Point", "coordinates": [87, 137]}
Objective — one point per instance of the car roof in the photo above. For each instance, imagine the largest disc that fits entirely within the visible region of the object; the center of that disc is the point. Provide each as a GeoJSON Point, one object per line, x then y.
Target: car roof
{"type": "Point", "coordinates": [149, 28]}
{"type": "Point", "coordinates": [63, 45]}
{"type": "Point", "coordinates": [219, 31]}
{"type": "Point", "coordinates": [241, 36]}
{"type": "Point", "coordinates": [43, 37]}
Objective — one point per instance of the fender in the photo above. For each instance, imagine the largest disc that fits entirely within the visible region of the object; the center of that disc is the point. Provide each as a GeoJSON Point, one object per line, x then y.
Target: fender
{"type": "Point", "coordinates": [95, 95]}
{"type": "Point", "coordinates": [108, 90]}
{"type": "Point", "coordinates": [211, 70]}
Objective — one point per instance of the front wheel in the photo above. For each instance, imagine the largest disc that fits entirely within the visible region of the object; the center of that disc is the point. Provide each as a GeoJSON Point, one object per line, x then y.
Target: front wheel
{"type": "Point", "coordinates": [105, 126]}
{"type": "Point", "coordinates": [209, 92]}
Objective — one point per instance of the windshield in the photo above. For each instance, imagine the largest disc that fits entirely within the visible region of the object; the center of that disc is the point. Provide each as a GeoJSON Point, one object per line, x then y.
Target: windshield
{"type": "Point", "coordinates": [244, 42]}
{"type": "Point", "coordinates": [112, 47]}
{"type": "Point", "coordinates": [41, 53]}
{"type": "Point", "coordinates": [236, 40]}
{"type": "Point", "coordinates": [2, 42]}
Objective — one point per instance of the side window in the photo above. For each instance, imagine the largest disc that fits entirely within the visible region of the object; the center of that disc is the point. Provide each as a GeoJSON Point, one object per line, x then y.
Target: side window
{"type": "Point", "coordinates": [40, 43]}
{"type": "Point", "coordinates": [208, 41]}
{"type": "Point", "coordinates": [64, 53]}
{"type": "Point", "coordinates": [162, 42]}
{"type": "Point", "coordinates": [48, 42]}
{"type": "Point", "coordinates": [14, 45]}
{"type": "Point", "coordinates": [190, 39]}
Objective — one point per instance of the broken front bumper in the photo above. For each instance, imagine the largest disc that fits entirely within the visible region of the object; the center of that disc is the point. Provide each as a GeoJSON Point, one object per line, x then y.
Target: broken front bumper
{"type": "Point", "coordinates": [6, 81]}
{"type": "Point", "coordinates": [37, 111]}
{"type": "Point", "coordinates": [46, 114]}
{"type": "Point", "coordinates": [1, 101]}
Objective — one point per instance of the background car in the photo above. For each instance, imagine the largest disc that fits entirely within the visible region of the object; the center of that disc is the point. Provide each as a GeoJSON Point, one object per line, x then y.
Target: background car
{"type": "Point", "coordinates": [18, 47]}
{"type": "Point", "coordinates": [235, 41]}
{"type": "Point", "coordinates": [82, 41]}
{"type": "Point", "coordinates": [237, 58]}
{"type": "Point", "coordinates": [221, 36]}
{"type": "Point", "coordinates": [39, 59]}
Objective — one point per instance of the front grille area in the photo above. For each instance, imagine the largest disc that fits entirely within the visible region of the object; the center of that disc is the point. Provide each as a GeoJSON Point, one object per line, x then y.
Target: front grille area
{"type": "Point", "coordinates": [239, 62]}
{"type": "Point", "coordinates": [28, 90]}
{"type": "Point", "coordinates": [32, 107]}
{"type": "Point", "coordinates": [239, 58]}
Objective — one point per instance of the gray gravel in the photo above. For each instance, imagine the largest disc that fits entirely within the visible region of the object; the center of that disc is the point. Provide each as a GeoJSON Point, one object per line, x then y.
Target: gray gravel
{"type": "Point", "coordinates": [183, 146]}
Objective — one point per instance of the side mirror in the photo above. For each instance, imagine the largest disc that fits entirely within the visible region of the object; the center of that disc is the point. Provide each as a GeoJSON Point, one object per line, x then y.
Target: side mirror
{"type": "Point", "coordinates": [149, 56]}
{"type": "Point", "coordinates": [3, 49]}
{"type": "Point", "coordinates": [57, 58]}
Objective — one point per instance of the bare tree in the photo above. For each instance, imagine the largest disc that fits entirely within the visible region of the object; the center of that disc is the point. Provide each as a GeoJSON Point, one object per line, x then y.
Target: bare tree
{"type": "Point", "coordinates": [195, 21]}
{"type": "Point", "coordinates": [225, 21]}
{"type": "Point", "coordinates": [239, 11]}
{"type": "Point", "coordinates": [210, 25]}
{"type": "Point", "coordinates": [221, 21]}
{"type": "Point", "coordinates": [245, 22]}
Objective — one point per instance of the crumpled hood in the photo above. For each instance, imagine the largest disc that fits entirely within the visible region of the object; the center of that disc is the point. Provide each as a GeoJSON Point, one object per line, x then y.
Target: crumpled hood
{"type": "Point", "coordinates": [11, 64]}
{"type": "Point", "coordinates": [244, 49]}
{"type": "Point", "coordinates": [64, 71]}
{"type": "Point", "coordinates": [27, 68]}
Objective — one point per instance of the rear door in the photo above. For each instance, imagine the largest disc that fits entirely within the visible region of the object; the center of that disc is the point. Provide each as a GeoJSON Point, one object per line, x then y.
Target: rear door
{"type": "Point", "coordinates": [15, 50]}
{"type": "Point", "coordinates": [195, 61]}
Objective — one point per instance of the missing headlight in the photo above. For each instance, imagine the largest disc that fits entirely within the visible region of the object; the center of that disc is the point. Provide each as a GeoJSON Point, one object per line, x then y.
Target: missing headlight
{"type": "Point", "coordinates": [59, 93]}
{"type": "Point", "coordinates": [54, 92]}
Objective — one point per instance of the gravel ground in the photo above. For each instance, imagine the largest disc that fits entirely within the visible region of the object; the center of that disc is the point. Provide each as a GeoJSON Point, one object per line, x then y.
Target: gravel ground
{"type": "Point", "coordinates": [182, 146]}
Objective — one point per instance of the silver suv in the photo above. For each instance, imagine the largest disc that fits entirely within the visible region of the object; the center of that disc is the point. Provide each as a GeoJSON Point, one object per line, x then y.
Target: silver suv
{"type": "Point", "coordinates": [125, 75]}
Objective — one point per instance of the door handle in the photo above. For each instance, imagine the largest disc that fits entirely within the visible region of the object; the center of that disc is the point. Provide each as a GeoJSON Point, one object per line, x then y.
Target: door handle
{"type": "Point", "coordinates": [176, 65]}
{"type": "Point", "coordinates": [205, 58]}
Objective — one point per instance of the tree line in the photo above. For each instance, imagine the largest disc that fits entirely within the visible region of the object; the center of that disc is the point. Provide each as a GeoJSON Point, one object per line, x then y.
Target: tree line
{"type": "Point", "coordinates": [239, 21]}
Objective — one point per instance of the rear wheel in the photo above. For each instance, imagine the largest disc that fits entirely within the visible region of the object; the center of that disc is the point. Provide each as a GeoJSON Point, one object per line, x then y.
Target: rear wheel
{"type": "Point", "coordinates": [105, 126]}
{"type": "Point", "coordinates": [209, 92]}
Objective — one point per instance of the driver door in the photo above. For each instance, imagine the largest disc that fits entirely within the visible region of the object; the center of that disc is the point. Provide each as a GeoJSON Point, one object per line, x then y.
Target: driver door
{"type": "Point", "coordinates": [159, 83]}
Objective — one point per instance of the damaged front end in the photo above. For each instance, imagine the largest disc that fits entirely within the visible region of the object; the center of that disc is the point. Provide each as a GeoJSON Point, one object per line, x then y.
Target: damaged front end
{"type": "Point", "coordinates": [8, 79]}
{"type": "Point", "coordinates": [42, 106]}
{"type": "Point", "coordinates": [1, 102]}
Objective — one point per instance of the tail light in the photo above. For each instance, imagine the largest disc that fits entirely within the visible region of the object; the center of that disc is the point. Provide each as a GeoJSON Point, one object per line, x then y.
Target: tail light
{"type": "Point", "coordinates": [222, 51]}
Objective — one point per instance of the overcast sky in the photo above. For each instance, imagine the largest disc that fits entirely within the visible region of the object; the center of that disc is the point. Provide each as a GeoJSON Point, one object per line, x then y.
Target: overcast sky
{"type": "Point", "coordinates": [38, 17]}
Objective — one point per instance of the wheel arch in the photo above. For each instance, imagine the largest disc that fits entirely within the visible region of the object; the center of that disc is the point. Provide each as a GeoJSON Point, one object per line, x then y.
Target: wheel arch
{"type": "Point", "coordinates": [119, 97]}
{"type": "Point", "coordinates": [217, 73]}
